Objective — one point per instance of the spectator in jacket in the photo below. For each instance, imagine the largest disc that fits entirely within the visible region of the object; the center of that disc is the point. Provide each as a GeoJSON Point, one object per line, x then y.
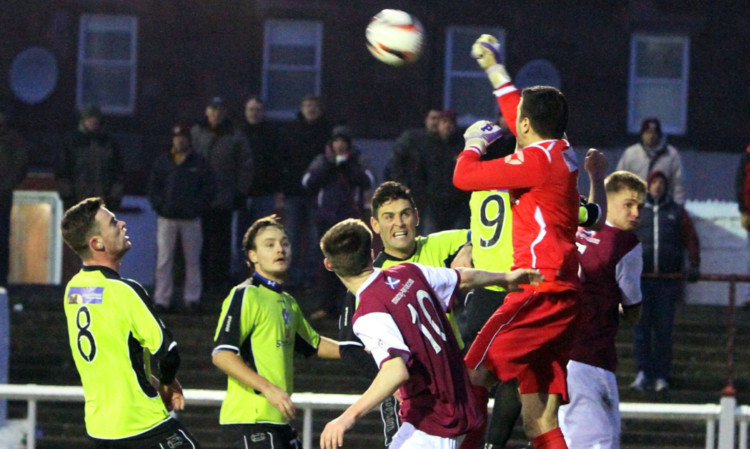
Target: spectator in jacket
{"type": "Point", "coordinates": [339, 180]}
{"type": "Point", "coordinates": [180, 190]}
{"type": "Point", "coordinates": [229, 156]}
{"type": "Point", "coordinates": [405, 164]}
{"type": "Point", "coordinates": [91, 165]}
{"type": "Point", "coordinates": [666, 232]}
{"type": "Point", "coordinates": [265, 197]}
{"type": "Point", "coordinates": [653, 153]}
{"type": "Point", "coordinates": [13, 166]}
{"type": "Point", "coordinates": [447, 206]}
{"type": "Point", "coordinates": [307, 138]}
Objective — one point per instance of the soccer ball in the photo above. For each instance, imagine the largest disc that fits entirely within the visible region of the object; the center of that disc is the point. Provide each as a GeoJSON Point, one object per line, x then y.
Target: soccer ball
{"type": "Point", "coordinates": [395, 37]}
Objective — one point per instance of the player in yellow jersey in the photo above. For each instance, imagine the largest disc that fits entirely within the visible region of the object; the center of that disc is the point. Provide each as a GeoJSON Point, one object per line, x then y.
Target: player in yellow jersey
{"type": "Point", "coordinates": [113, 332]}
{"type": "Point", "coordinates": [260, 328]}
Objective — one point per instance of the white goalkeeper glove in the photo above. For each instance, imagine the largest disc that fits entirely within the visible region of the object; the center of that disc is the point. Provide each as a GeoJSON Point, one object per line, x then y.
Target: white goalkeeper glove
{"type": "Point", "coordinates": [486, 50]}
{"type": "Point", "coordinates": [481, 134]}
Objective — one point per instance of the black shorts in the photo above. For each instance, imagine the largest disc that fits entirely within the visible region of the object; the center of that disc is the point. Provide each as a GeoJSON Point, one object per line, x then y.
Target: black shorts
{"type": "Point", "coordinates": [262, 436]}
{"type": "Point", "coordinates": [480, 304]}
{"type": "Point", "coordinates": [170, 434]}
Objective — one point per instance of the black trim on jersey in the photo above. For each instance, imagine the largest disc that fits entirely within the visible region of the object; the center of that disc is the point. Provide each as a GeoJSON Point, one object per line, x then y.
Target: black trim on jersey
{"type": "Point", "coordinates": [169, 365]}
{"type": "Point", "coordinates": [383, 256]}
{"type": "Point", "coordinates": [135, 353]}
{"type": "Point", "coordinates": [106, 271]}
{"type": "Point", "coordinates": [258, 280]}
{"type": "Point", "coordinates": [301, 346]}
{"type": "Point", "coordinates": [351, 347]}
{"type": "Point", "coordinates": [229, 335]}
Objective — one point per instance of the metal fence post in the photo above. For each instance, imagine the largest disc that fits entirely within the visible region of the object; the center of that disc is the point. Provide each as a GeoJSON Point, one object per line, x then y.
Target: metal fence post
{"type": "Point", "coordinates": [31, 425]}
{"type": "Point", "coordinates": [307, 424]}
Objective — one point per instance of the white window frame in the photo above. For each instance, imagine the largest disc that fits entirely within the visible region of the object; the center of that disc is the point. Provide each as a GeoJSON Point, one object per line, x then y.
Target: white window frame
{"type": "Point", "coordinates": [466, 118]}
{"type": "Point", "coordinates": [100, 22]}
{"type": "Point", "coordinates": [316, 67]}
{"type": "Point", "coordinates": [635, 117]}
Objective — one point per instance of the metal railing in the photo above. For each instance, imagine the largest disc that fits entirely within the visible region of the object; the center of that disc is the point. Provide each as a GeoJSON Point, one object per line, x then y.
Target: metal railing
{"type": "Point", "coordinates": [708, 413]}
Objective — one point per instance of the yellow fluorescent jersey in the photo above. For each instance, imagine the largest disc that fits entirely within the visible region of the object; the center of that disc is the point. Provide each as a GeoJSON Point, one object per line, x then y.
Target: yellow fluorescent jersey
{"type": "Point", "coordinates": [112, 331]}
{"type": "Point", "coordinates": [491, 241]}
{"type": "Point", "coordinates": [263, 325]}
{"type": "Point", "coordinates": [435, 250]}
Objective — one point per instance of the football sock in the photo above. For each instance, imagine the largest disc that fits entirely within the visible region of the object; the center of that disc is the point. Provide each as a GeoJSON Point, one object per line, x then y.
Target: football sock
{"type": "Point", "coordinates": [475, 437]}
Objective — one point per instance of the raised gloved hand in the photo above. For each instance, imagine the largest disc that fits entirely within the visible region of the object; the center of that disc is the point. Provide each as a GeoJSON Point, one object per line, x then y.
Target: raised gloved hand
{"type": "Point", "coordinates": [481, 134]}
{"type": "Point", "coordinates": [488, 53]}
{"type": "Point", "coordinates": [693, 273]}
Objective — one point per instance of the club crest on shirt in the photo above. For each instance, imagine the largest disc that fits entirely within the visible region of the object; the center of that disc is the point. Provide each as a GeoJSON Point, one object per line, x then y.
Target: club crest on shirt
{"type": "Point", "coordinates": [285, 314]}
{"type": "Point", "coordinates": [85, 295]}
{"type": "Point", "coordinates": [392, 282]}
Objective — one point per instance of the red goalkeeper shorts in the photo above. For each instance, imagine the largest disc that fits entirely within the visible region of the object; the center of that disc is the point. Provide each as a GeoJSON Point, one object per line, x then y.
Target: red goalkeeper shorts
{"type": "Point", "coordinates": [529, 338]}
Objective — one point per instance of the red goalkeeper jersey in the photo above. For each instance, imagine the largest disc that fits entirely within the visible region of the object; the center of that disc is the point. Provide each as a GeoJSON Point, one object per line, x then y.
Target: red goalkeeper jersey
{"type": "Point", "coordinates": [542, 180]}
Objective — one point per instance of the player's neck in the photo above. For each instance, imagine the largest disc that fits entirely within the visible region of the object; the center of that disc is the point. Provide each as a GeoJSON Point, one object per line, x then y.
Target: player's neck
{"type": "Point", "coordinates": [104, 262]}
{"type": "Point", "coordinates": [401, 254]}
{"type": "Point", "coordinates": [353, 283]}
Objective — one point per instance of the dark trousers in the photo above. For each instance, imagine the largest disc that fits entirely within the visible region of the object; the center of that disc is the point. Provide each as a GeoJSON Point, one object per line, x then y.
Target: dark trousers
{"type": "Point", "coordinates": [217, 237]}
{"type": "Point", "coordinates": [5, 207]}
{"type": "Point", "coordinates": [652, 336]}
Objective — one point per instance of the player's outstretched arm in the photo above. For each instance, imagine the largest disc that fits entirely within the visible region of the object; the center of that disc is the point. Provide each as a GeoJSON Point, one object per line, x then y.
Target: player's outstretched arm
{"type": "Point", "coordinates": [596, 166]}
{"type": "Point", "coordinates": [486, 50]}
{"type": "Point", "coordinates": [471, 279]}
{"type": "Point", "coordinates": [393, 374]}
{"type": "Point", "coordinates": [328, 348]}
{"type": "Point", "coordinates": [234, 367]}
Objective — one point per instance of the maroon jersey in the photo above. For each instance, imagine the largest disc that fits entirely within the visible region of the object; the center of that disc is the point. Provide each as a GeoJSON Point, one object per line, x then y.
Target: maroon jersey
{"type": "Point", "coordinates": [611, 263]}
{"type": "Point", "coordinates": [401, 313]}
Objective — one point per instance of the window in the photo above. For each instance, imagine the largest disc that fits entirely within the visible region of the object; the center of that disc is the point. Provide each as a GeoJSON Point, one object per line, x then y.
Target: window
{"type": "Point", "coordinates": [107, 54]}
{"type": "Point", "coordinates": [658, 81]}
{"type": "Point", "coordinates": [291, 65]}
{"type": "Point", "coordinates": [467, 90]}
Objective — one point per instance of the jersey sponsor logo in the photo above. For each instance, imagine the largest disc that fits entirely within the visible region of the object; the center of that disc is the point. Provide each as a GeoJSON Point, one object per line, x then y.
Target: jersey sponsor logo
{"type": "Point", "coordinates": [392, 282]}
{"type": "Point", "coordinates": [229, 323]}
{"type": "Point", "coordinates": [85, 295]}
{"type": "Point", "coordinates": [403, 291]}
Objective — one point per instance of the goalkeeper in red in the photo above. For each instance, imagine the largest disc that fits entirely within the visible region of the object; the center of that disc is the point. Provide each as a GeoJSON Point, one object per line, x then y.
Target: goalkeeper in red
{"type": "Point", "coordinates": [528, 338]}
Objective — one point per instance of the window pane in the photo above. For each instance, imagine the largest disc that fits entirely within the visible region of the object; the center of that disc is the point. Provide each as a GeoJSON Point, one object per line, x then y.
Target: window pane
{"type": "Point", "coordinates": [661, 100]}
{"type": "Point", "coordinates": [286, 89]}
{"type": "Point", "coordinates": [296, 32]}
{"type": "Point", "coordinates": [291, 54]}
{"type": "Point", "coordinates": [659, 59]}
{"type": "Point", "coordinates": [465, 101]}
{"type": "Point", "coordinates": [107, 86]}
{"type": "Point", "coordinates": [462, 42]}
{"type": "Point", "coordinates": [108, 45]}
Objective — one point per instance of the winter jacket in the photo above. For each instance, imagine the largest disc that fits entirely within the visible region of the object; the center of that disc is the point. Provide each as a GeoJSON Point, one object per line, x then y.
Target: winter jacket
{"type": "Point", "coordinates": [666, 231]}
{"type": "Point", "coordinates": [339, 187]}
{"type": "Point", "coordinates": [305, 141]}
{"type": "Point", "coordinates": [642, 160]}
{"type": "Point", "coordinates": [231, 160]}
{"type": "Point", "coordinates": [13, 163]}
{"type": "Point", "coordinates": [90, 166]}
{"type": "Point", "coordinates": [181, 191]}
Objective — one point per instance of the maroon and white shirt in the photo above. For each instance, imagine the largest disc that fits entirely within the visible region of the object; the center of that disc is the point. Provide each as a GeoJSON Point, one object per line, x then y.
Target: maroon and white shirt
{"type": "Point", "coordinates": [401, 313]}
{"type": "Point", "coordinates": [611, 262]}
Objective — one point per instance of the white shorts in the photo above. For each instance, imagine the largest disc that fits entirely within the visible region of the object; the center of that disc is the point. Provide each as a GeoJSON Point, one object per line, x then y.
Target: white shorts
{"type": "Point", "coordinates": [592, 418]}
{"type": "Point", "coordinates": [408, 437]}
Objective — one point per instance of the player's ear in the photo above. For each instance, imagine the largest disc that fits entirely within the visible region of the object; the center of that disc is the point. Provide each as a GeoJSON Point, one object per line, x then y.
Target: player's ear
{"type": "Point", "coordinates": [252, 257]}
{"type": "Point", "coordinates": [96, 244]}
{"type": "Point", "coordinates": [375, 225]}
{"type": "Point", "coordinates": [327, 264]}
{"type": "Point", "coordinates": [416, 216]}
